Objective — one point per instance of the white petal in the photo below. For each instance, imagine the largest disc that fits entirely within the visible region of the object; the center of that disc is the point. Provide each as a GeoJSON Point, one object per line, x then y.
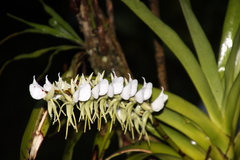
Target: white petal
{"type": "Point", "coordinates": [110, 91]}
{"type": "Point", "coordinates": [126, 92]}
{"type": "Point", "coordinates": [95, 91]}
{"type": "Point", "coordinates": [85, 92]}
{"type": "Point", "coordinates": [147, 91]}
{"type": "Point", "coordinates": [134, 85]}
{"type": "Point", "coordinates": [144, 82]}
{"type": "Point", "coordinates": [48, 85]}
{"type": "Point", "coordinates": [103, 87]}
{"type": "Point", "coordinates": [130, 78]}
{"type": "Point", "coordinates": [139, 96]}
{"type": "Point", "coordinates": [36, 91]}
{"type": "Point", "coordinates": [50, 93]}
{"type": "Point", "coordinates": [158, 103]}
{"type": "Point", "coordinates": [117, 85]}
{"type": "Point", "coordinates": [76, 96]}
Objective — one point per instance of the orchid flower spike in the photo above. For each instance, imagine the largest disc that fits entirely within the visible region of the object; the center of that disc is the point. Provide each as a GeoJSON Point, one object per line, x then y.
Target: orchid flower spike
{"type": "Point", "coordinates": [158, 103]}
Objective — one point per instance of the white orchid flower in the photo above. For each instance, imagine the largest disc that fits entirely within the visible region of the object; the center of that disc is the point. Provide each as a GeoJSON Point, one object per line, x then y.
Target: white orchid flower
{"type": "Point", "coordinates": [117, 83]}
{"type": "Point", "coordinates": [37, 91]}
{"type": "Point", "coordinates": [158, 103]}
{"type": "Point", "coordinates": [130, 89]}
{"type": "Point", "coordinates": [83, 93]}
{"type": "Point", "coordinates": [103, 87]}
{"type": "Point", "coordinates": [145, 92]}
{"type": "Point", "coordinates": [110, 91]}
{"type": "Point", "coordinates": [62, 85]}
{"type": "Point", "coordinates": [100, 89]}
{"type": "Point", "coordinates": [95, 91]}
{"type": "Point", "coordinates": [48, 85]}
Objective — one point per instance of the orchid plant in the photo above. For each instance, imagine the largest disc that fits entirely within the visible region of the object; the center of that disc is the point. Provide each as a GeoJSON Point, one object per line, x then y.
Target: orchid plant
{"type": "Point", "coordinates": [180, 130]}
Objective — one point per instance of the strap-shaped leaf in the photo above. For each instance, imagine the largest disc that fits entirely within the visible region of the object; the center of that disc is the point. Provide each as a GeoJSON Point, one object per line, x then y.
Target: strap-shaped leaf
{"type": "Point", "coordinates": [237, 146]}
{"type": "Point", "coordinates": [232, 68]}
{"type": "Point", "coordinates": [231, 106]}
{"type": "Point", "coordinates": [204, 51]}
{"type": "Point", "coordinates": [183, 53]}
{"type": "Point", "coordinates": [184, 143]}
{"type": "Point", "coordinates": [60, 21]}
{"type": "Point", "coordinates": [44, 29]}
{"type": "Point", "coordinates": [141, 156]}
{"type": "Point", "coordinates": [185, 126]}
{"type": "Point", "coordinates": [192, 112]}
{"type": "Point", "coordinates": [38, 53]}
{"type": "Point", "coordinates": [143, 146]}
{"type": "Point", "coordinates": [102, 140]}
{"type": "Point", "coordinates": [71, 142]}
{"type": "Point", "coordinates": [236, 49]}
{"type": "Point", "coordinates": [231, 24]}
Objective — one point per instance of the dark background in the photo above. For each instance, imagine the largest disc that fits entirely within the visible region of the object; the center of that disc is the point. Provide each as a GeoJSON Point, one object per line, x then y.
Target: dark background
{"type": "Point", "coordinates": [135, 38]}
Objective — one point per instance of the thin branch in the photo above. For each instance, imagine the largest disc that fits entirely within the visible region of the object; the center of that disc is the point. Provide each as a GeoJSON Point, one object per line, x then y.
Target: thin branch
{"type": "Point", "coordinates": [159, 52]}
{"type": "Point", "coordinates": [110, 13]}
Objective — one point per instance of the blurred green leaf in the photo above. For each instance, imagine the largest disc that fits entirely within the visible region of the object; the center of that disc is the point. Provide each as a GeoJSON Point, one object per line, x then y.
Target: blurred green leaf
{"type": "Point", "coordinates": [231, 106]}
{"type": "Point", "coordinates": [38, 53]}
{"type": "Point", "coordinates": [52, 22]}
{"type": "Point", "coordinates": [140, 156]}
{"type": "Point", "coordinates": [154, 147]}
{"type": "Point", "coordinates": [184, 143]}
{"type": "Point", "coordinates": [204, 51]}
{"type": "Point", "coordinates": [230, 27]}
{"type": "Point", "coordinates": [237, 146]}
{"type": "Point", "coordinates": [71, 142]}
{"type": "Point", "coordinates": [232, 68]}
{"type": "Point", "coordinates": [236, 118]}
{"type": "Point", "coordinates": [102, 140]}
{"type": "Point", "coordinates": [183, 53]}
{"type": "Point", "coordinates": [185, 126]}
{"type": "Point", "coordinates": [59, 22]}
{"type": "Point", "coordinates": [35, 131]}
{"type": "Point", "coordinates": [44, 29]}
{"type": "Point", "coordinates": [192, 112]}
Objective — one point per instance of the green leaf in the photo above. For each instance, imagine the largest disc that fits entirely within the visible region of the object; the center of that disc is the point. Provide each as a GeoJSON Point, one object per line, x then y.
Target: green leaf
{"type": "Point", "coordinates": [192, 112]}
{"type": "Point", "coordinates": [71, 142]}
{"type": "Point", "coordinates": [38, 53]}
{"type": "Point", "coordinates": [231, 106]}
{"type": "Point", "coordinates": [160, 156]}
{"type": "Point", "coordinates": [236, 117]}
{"type": "Point", "coordinates": [52, 22]}
{"type": "Point", "coordinates": [60, 22]}
{"type": "Point", "coordinates": [204, 52]}
{"type": "Point", "coordinates": [44, 29]}
{"type": "Point", "coordinates": [232, 68]}
{"type": "Point", "coordinates": [230, 27]}
{"type": "Point", "coordinates": [184, 144]}
{"type": "Point", "coordinates": [154, 147]}
{"type": "Point", "coordinates": [102, 140]}
{"type": "Point", "coordinates": [35, 131]}
{"type": "Point", "coordinates": [237, 146]}
{"type": "Point", "coordinates": [185, 126]}
{"type": "Point", "coordinates": [183, 53]}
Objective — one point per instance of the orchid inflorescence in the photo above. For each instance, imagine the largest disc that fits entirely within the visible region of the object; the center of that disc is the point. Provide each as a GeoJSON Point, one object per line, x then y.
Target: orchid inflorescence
{"type": "Point", "coordinates": [97, 99]}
